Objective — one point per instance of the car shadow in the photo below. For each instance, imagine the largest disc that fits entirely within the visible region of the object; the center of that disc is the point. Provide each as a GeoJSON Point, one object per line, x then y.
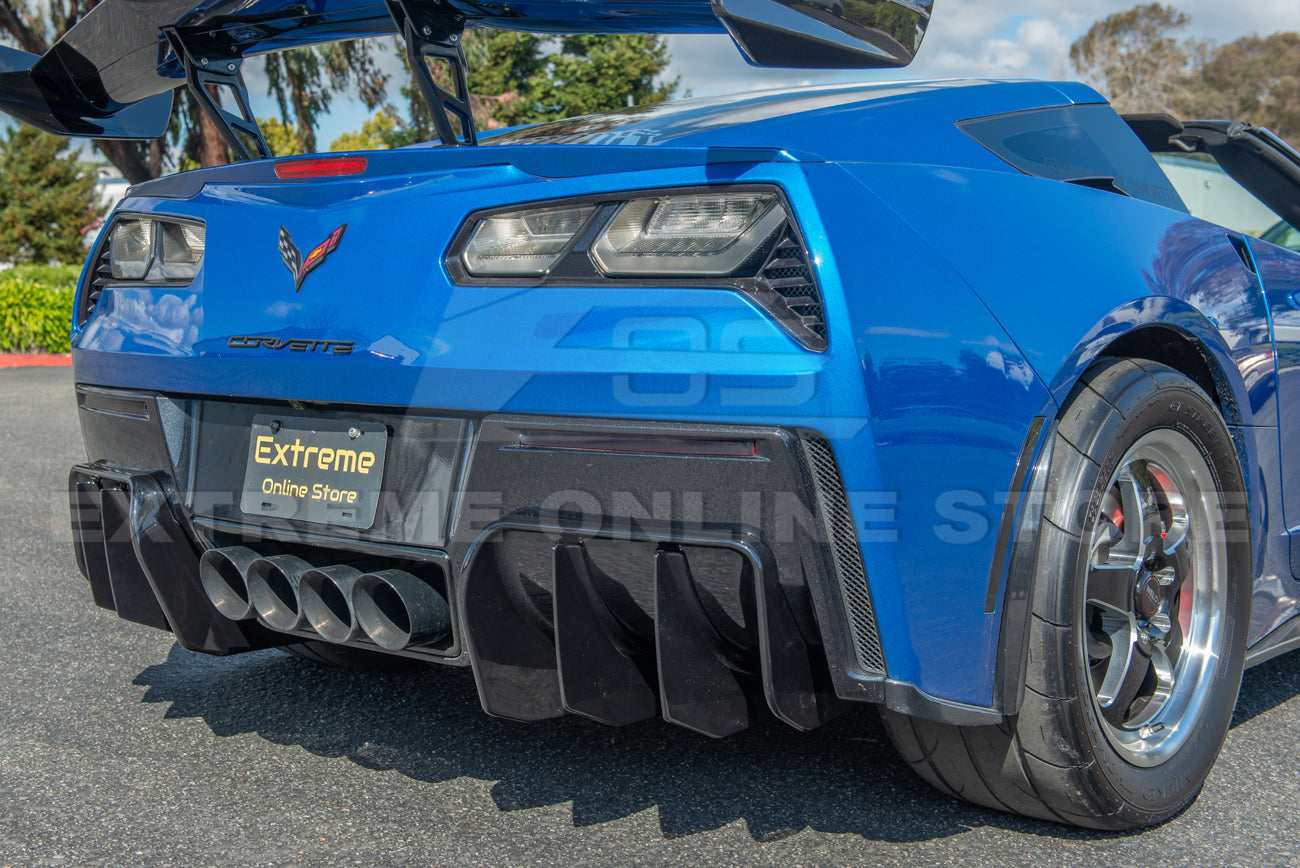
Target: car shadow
{"type": "Point", "coordinates": [1266, 686]}
{"type": "Point", "coordinates": [426, 724]}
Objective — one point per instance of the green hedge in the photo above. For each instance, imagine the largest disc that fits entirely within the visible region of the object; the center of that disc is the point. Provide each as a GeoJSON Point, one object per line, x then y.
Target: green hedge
{"type": "Point", "coordinates": [36, 308]}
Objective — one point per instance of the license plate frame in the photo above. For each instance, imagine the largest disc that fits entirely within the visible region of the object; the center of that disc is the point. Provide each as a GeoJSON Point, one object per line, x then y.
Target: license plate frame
{"type": "Point", "coordinates": [322, 471]}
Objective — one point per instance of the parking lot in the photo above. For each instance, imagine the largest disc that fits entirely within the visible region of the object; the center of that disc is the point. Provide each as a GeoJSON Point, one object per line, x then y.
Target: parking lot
{"type": "Point", "coordinates": [119, 748]}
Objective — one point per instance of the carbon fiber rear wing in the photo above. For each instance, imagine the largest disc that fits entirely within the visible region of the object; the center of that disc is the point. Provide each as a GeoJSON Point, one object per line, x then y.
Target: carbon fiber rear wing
{"type": "Point", "coordinates": [112, 74]}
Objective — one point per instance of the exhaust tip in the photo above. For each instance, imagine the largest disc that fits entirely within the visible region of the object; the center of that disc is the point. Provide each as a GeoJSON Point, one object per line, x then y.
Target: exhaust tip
{"type": "Point", "coordinates": [324, 595]}
{"type": "Point", "coordinates": [397, 609]}
{"type": "Point", "coordinates": [273, 590]}
{"type": "Point", "coordinates": [223, 572]}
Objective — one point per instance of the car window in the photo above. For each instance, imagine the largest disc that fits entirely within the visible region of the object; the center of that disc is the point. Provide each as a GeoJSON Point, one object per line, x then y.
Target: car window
{"type": "Point", "coordinates": [1211, 194]}
{"type": "Point", "coordinates": [1283, 234]}
{"type": "Point", "coordinates": [1076, 143]}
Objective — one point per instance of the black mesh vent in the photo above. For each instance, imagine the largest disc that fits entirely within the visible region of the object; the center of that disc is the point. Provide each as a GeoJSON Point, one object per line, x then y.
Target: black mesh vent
{"type": "Point", "coordinates": [792, 291]}
{"type": "Point", "coordinates": [103, 274]}
{"type": "Point", "coordinates": [837, 523]}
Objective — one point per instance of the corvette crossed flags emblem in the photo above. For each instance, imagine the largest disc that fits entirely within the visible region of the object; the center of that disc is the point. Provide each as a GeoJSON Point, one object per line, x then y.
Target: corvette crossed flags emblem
{"type": "Point", "coordinates": [292, 256]}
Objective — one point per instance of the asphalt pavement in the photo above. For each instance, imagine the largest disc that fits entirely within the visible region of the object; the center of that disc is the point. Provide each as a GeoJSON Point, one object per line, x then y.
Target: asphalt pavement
{"type": "Point", "coordinates": [119, 748]}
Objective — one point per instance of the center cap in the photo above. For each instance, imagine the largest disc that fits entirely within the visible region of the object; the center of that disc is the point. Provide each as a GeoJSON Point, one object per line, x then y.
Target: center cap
{"type": "Point", "coordinates": [1148, 597]}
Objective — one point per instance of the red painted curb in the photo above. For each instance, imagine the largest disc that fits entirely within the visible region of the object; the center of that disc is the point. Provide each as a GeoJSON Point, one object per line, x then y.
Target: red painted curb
{"type": "Point", "coordinates": [19, 360]}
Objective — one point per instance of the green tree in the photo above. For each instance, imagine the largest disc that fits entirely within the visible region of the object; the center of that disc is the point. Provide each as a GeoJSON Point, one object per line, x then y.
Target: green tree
{"type": "Point", "coordinates": [1254, 79]}
{"type": "Point", "coordinates": [284, 139]}
{"type": "Point", "coordinates": [46, 199]}
{"type": "Point", "coordinates": [591, 74]}
{"type": "Point", "coordinates": [195, 135]}
{"type": "Point", "coordinates": [519, 78]}
{"type": "Point", "coordinates": [1136, 60]}
{"type": "Point", "coordinates": [382, 130]}
{"type": "Point", "coordinates": [304, 81]}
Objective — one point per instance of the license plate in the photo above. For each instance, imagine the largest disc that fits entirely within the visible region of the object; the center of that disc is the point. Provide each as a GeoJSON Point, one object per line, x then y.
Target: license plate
{"type": "Point", "coordinates": [317, 470]}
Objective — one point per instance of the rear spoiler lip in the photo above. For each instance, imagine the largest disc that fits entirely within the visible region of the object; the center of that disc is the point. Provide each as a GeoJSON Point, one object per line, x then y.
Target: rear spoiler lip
{"type": "Point", "coordinates": [418, 159]}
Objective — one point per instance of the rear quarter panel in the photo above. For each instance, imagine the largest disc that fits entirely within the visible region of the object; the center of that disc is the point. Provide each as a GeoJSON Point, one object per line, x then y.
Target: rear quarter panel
{"type": "Point", "coordinates": [1061, 271]}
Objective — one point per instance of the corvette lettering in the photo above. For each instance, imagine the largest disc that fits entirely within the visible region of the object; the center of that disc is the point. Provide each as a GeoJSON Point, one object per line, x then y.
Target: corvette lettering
{"type": "Point", "coordinates": [294, 345]}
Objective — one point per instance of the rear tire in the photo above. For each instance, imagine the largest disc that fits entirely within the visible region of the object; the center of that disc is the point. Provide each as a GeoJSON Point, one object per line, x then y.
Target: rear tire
{"type": "Point", "coordinates": [1141, 606]}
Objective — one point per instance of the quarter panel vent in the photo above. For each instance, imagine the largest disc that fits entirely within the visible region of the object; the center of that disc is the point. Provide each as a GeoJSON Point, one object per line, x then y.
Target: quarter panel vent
{"type": "Point", "coordinates": [98, 279]}
{"type": "Point", "coordinates": [788, 289]}
{"type": "Point", "coordinates": [842, 538]}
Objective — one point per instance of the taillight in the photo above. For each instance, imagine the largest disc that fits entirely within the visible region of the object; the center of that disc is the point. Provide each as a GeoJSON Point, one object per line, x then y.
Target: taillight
{"type": "Point", "coordinates": [709, 233]}
{"type": "Point", "coordinates": [147, 250]}
{"type": "Point", "coordinates": [700, 235]}
{"type": "Point", "coordinates": [740, 237]}
{"type": "Point", "coordinates": [523, 242]}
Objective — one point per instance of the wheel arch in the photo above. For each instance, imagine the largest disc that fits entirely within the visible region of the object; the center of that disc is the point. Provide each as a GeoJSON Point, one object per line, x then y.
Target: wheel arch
{"type": "Point", "coordinates": [1195, 348]}
{"type": "Point", "coordinates": [1172, 332]}
{"type": "Point", "coordinates": [1191, 345]}
{"type": "Point", "coordinates": [1184, 353]}
{"type": "Point", "coordinates": [1068, 753]}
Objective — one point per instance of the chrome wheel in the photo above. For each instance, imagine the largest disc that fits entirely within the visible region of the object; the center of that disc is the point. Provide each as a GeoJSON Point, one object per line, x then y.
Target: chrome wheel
{"type": "Point", "coordinates": [1156, 597]}
{"type": "Point", "coordinates": [1135, 622]}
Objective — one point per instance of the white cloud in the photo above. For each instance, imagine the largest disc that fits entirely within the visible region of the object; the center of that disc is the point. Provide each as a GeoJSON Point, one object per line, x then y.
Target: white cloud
{"type": "Point", "coordinates": [977, 38]}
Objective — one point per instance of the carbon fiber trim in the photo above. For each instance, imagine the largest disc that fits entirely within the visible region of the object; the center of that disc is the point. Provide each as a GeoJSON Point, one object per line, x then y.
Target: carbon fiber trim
{"type": "Point", "coordinates": [797, 302]}
{"type": "Point", "coordinates": [837, 524]}
{"type": "Point", "coordinates": [103, 274]}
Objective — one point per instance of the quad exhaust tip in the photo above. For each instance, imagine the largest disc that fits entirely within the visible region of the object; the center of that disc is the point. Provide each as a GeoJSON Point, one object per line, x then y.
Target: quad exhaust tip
{"type": "Point", "coordinates": [394, 608]}
{"type": "Point", "coordinates": [325, 595]}
{"type": "Point", "coordinates": [397, 609]}
{"type": "Point", "coordinates": [222, 572]}
{"type": "Point", "coordinates": [273, 590]}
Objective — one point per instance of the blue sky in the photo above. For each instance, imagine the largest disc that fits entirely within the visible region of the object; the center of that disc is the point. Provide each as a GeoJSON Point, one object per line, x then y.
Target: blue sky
{"type": "Point", "coordinates": [996, 38]}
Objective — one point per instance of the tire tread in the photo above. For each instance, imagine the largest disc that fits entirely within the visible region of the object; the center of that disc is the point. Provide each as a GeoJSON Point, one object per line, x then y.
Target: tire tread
{"type": "Point", "coordinates": [1038, 762]}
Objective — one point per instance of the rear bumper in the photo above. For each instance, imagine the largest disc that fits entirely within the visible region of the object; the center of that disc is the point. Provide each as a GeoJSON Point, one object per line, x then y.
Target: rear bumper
{"type": "Point", "coordinates": [619, 582]}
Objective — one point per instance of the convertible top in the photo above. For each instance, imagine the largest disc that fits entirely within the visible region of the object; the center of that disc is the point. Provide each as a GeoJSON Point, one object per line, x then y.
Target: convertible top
{"type": "Point", "coordinates": [113, 73]}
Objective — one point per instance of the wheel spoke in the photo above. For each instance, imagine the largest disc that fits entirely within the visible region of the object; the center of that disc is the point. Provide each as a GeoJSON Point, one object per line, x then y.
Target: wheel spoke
{"type": "Point", "coordinates": [1123, 639]}
{"type": "Point", "coordinates": [1131, 499]}
{"type": "Point", "coordinates": [1178, 568]}
{"type": "Point", "coordinates": [1111, 565]}
{"type": "Point", "coordinates": [1110, 586]}
{"type": "Point", "coordinates": [1153, 526]}
{"type": "Point", "coordinates": [1174, 640]}
{"type": "Point", "coordinates": [1099, 647]}
{"type": "Point", "coordinates": [1104, 537]}
{"type": "Point", "coordinates": [1175, 530]}
{"type": "Point", "coordinates": [1164, 672]}
{"type": "Point", "coordinates": [1135, 673]}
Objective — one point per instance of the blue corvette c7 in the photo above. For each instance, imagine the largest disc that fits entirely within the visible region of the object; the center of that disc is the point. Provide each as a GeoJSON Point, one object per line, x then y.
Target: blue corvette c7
{"type": "Point", "coordinates": [971, 400]}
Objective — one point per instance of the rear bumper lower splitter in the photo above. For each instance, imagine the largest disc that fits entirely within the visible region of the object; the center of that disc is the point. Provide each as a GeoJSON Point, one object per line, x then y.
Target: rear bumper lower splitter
{"type": "Point", "coordinates": [573, 592]}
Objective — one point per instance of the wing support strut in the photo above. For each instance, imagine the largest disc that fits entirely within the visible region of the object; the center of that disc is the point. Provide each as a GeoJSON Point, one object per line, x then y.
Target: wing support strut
{"type": "Point", "coordinates": [207, 73]}
{"type": "Point", "coordinates": [433, 31]}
